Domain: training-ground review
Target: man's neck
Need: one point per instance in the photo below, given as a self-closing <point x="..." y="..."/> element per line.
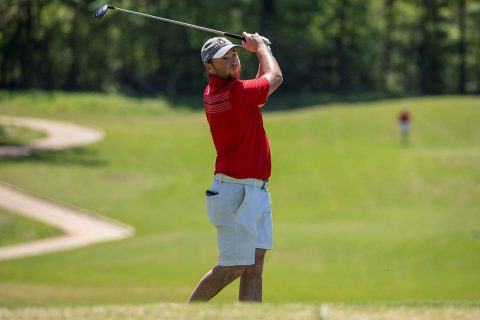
<point x="218" y="81"/>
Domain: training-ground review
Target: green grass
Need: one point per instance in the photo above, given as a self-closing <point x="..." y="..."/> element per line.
<point x="357" y="217"/>
<point x="13" y="135"/>
<point x="164" y="311"/>
<point x="16" y="229"/>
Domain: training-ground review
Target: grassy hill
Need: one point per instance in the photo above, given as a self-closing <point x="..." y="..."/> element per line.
<point x="357" y="217"/>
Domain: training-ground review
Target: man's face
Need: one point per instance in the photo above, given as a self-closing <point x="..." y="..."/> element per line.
<point x="226" y="67"/>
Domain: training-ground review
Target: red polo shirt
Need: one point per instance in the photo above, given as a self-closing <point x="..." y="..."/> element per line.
<point x="404" y="116"/>
<point x="233" y="112"/>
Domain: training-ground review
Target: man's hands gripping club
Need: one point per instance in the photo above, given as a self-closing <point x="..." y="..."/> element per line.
<point x="252" y="41"/>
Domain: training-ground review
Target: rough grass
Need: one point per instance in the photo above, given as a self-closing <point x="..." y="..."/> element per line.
<point x="16" y="229"/>
<point x="357" y="217"/>
<point x="16" y="136"/>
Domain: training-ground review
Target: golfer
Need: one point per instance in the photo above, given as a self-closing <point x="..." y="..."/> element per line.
<point x="238" y="201"/>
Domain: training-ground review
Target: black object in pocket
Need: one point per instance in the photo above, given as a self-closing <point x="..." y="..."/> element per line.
<point x="210" y="193"/>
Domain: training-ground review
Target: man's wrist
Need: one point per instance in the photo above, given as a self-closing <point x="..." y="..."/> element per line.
<point x="262" y="47"/>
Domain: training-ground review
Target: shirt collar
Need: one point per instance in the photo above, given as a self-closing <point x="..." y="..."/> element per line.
<point x="216" y="81"/>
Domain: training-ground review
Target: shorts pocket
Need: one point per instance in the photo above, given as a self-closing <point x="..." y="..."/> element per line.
<point x="212" y="209"/>
<point x="223" y="206"/>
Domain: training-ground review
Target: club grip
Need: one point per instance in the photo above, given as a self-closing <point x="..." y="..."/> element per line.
<point x="233" y="35"/>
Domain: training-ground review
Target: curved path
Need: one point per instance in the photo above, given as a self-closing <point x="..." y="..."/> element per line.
<point x="81" y="228"/>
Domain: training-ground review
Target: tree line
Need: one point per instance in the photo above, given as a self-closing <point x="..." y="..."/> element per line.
<point x="323" y="46"/>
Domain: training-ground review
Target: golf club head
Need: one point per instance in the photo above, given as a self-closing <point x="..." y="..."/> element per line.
<point x="101" y="12"/>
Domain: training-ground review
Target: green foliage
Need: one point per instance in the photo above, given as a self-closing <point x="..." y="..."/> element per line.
<point x="357" y="217"/>
<point x="335" y="46"/>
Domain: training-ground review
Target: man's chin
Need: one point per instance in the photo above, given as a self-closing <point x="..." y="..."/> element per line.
<point x="234" y="76"/>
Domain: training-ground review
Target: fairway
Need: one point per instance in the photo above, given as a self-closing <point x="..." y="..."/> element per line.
<point x="357" y="217"/>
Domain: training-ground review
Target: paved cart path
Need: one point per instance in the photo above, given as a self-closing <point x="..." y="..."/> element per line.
<point x="81" y="228"/>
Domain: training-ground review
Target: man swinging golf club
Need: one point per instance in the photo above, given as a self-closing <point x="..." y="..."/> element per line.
<point x="238" y="201"/>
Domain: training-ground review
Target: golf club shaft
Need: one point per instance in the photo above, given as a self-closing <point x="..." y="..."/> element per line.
<point x="184" y="24"/>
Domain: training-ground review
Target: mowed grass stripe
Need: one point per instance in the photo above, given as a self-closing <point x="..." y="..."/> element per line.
<point x="356" y="216"/>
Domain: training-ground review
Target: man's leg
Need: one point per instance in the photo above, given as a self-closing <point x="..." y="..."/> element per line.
<point x="251" y="279"/>
<point x="214" y="281"/>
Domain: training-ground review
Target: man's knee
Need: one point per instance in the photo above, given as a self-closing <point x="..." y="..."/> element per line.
<point x="237" y="271"/>
<point x="257" y="268"/>
<point x="229" y="273"/>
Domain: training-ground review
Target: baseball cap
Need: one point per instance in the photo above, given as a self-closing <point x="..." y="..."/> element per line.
<point x="216" y="48"/>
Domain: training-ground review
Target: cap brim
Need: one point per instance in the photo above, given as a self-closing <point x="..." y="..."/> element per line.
<point x="220" y="53"/>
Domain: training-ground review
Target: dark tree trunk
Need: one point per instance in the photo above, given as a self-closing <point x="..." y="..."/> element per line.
<point x="340" y="48"/>
<point x="462" y="46"/>
<point x="431" y="48"/>
<point x="266" y="18"/>
<point x="268" y="8"/>
<point x="26" y="51"/>
<point x="72" y="80"/>
<point x="387" y="45"/>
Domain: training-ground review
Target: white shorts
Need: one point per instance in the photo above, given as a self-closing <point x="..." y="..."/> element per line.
<point x="242" y="215"/>
<point x="404" y="126"/>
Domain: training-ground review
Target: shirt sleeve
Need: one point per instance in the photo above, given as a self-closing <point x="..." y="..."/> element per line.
<point x="255" y="90"/>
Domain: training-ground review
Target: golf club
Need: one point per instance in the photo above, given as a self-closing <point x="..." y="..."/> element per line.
<point x="103" y="10"/>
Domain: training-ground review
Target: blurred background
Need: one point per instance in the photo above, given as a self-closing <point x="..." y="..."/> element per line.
<point x="379" y="47"/>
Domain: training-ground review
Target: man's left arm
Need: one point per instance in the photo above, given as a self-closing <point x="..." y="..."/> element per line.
<point x="268" y="65"/>
<point x="260" y="71"/>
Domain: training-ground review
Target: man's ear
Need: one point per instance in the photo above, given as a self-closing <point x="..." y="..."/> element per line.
<point x="208" y="67"/>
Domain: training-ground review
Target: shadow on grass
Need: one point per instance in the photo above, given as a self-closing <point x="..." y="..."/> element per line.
<point x="83" y="157"/>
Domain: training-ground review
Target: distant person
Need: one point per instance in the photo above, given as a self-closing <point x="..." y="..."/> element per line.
<point x="238" y="201"/>
<point x="404" y="118"/>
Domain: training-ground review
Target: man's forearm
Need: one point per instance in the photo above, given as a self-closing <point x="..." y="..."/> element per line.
<point x="268" y="67"/>
<point x="266" y="61"/>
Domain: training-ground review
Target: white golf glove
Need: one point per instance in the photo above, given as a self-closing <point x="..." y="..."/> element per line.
<point x="267" y="42"/>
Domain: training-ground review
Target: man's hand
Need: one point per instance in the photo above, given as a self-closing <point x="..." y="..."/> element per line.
<point x="254" y="41"/>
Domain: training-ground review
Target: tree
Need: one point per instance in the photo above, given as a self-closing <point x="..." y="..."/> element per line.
<point x="341" y="47"/>
<point x="389" y="22"/>
<point x="462" y="45"/>
<point x="335" y="46"/>
<point x="432" y="46"/>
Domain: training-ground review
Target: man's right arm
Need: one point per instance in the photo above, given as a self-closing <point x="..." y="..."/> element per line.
<point x="268" y="66"/>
